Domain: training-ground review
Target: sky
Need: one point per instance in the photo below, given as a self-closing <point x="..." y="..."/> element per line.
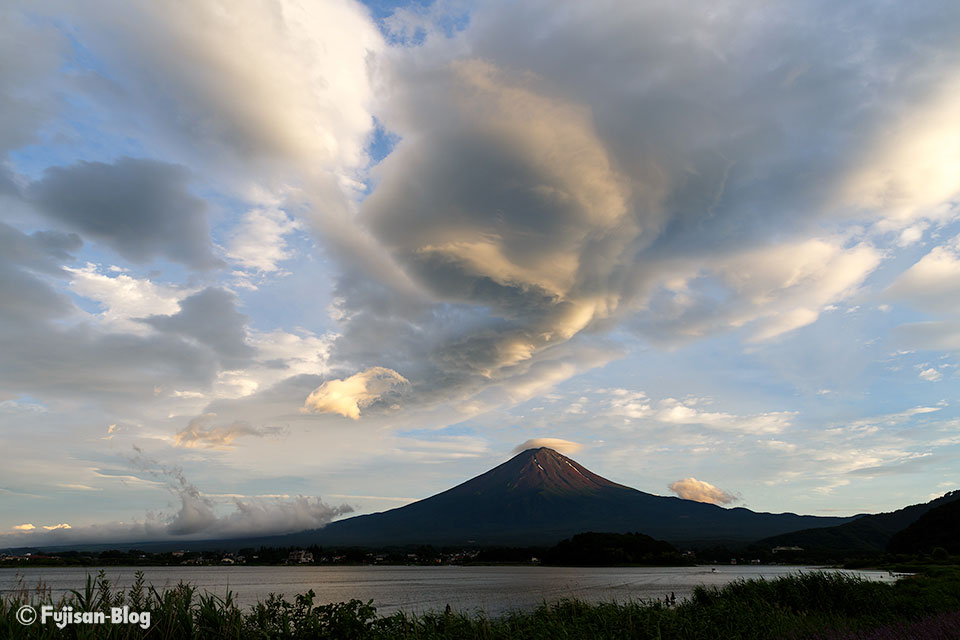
<point x="265" y="264"/>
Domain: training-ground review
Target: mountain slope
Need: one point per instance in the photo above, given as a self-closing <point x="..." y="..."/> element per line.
<point x="867" y="534"/>
<point x="541" y="497"/>
<point x="938" y="527"/>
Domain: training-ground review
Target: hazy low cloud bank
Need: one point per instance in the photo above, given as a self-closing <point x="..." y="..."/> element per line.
<point x="198" y="517"/>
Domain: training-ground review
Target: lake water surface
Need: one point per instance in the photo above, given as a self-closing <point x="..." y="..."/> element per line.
<point x="495" y="589"/>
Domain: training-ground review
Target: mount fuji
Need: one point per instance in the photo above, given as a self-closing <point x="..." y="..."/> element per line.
<point x="540" y="497"/>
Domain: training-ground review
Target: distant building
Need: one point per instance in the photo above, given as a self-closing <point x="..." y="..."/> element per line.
<point x="783" y="549"/>
<point x="300" y="557"/>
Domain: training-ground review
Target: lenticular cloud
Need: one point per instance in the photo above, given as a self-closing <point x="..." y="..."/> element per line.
<point x="700" y="491"/>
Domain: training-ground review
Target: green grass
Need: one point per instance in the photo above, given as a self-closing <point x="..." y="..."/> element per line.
<point x="798" y="606"/>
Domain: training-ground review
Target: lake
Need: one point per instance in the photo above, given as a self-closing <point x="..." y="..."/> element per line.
<point x="493" y="589"/>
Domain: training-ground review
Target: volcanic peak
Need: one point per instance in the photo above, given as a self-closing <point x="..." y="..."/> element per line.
<point x="546" y="469"/>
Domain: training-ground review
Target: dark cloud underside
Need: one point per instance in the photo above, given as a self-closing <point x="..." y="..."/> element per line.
<point x="142" y="209"/>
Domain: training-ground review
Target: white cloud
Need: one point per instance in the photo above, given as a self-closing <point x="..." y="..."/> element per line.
<point x="279" y="356"/>
<point x="630" y="404"/>
<point x="634" y="410"/>
<point x="442" y="448"/>
<point x="891" y="419"/>
<point x="13" y="406"/>
<point x="77" y="486"/>
<point x="866" y="449"/>
<point x="933" y="282"/>
<point x="930" y="375"/>
<point x="912" y="234"/>
<point x="202" y="433"/>
<point x="124" y="298"/>
<point x="302" y="353"/>
<point x="264" y="81"/>
<point x="259" y="242"/>
<point x="693" y="489"/>
<point x="769" y="290"/>
<point x="786" y="286"/>
<point x="778" y="445"/>
<point x="188" y="394"/>
<point x="908" y="171"/>
<point x="673" y="411"/>
<point x="349" y="395"/>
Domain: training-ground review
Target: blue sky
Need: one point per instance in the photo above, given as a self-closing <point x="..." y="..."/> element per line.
<point x="266" y="267"/>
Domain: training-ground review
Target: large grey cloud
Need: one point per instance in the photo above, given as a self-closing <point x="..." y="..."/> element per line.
<point x="677" y="171"/>
<point x="25" y="297"/>
<point x="119" y="371"/>
<point x="51" y="352"/>
<point x="28" y="54"/>
<point x="141" y="208"/>
<point x="211" y="318"/>
<point x="274" y="80"/>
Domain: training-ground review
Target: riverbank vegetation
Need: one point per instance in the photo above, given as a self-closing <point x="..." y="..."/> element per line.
<point x="590" y="549"/>
<point x="815" y="606"/>
<point x="584" y="549"/>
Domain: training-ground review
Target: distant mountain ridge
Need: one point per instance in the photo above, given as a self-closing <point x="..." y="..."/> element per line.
<point x="867" y="534"/>
<point x="541" y="497"/>
<point x="938" y="527"/>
